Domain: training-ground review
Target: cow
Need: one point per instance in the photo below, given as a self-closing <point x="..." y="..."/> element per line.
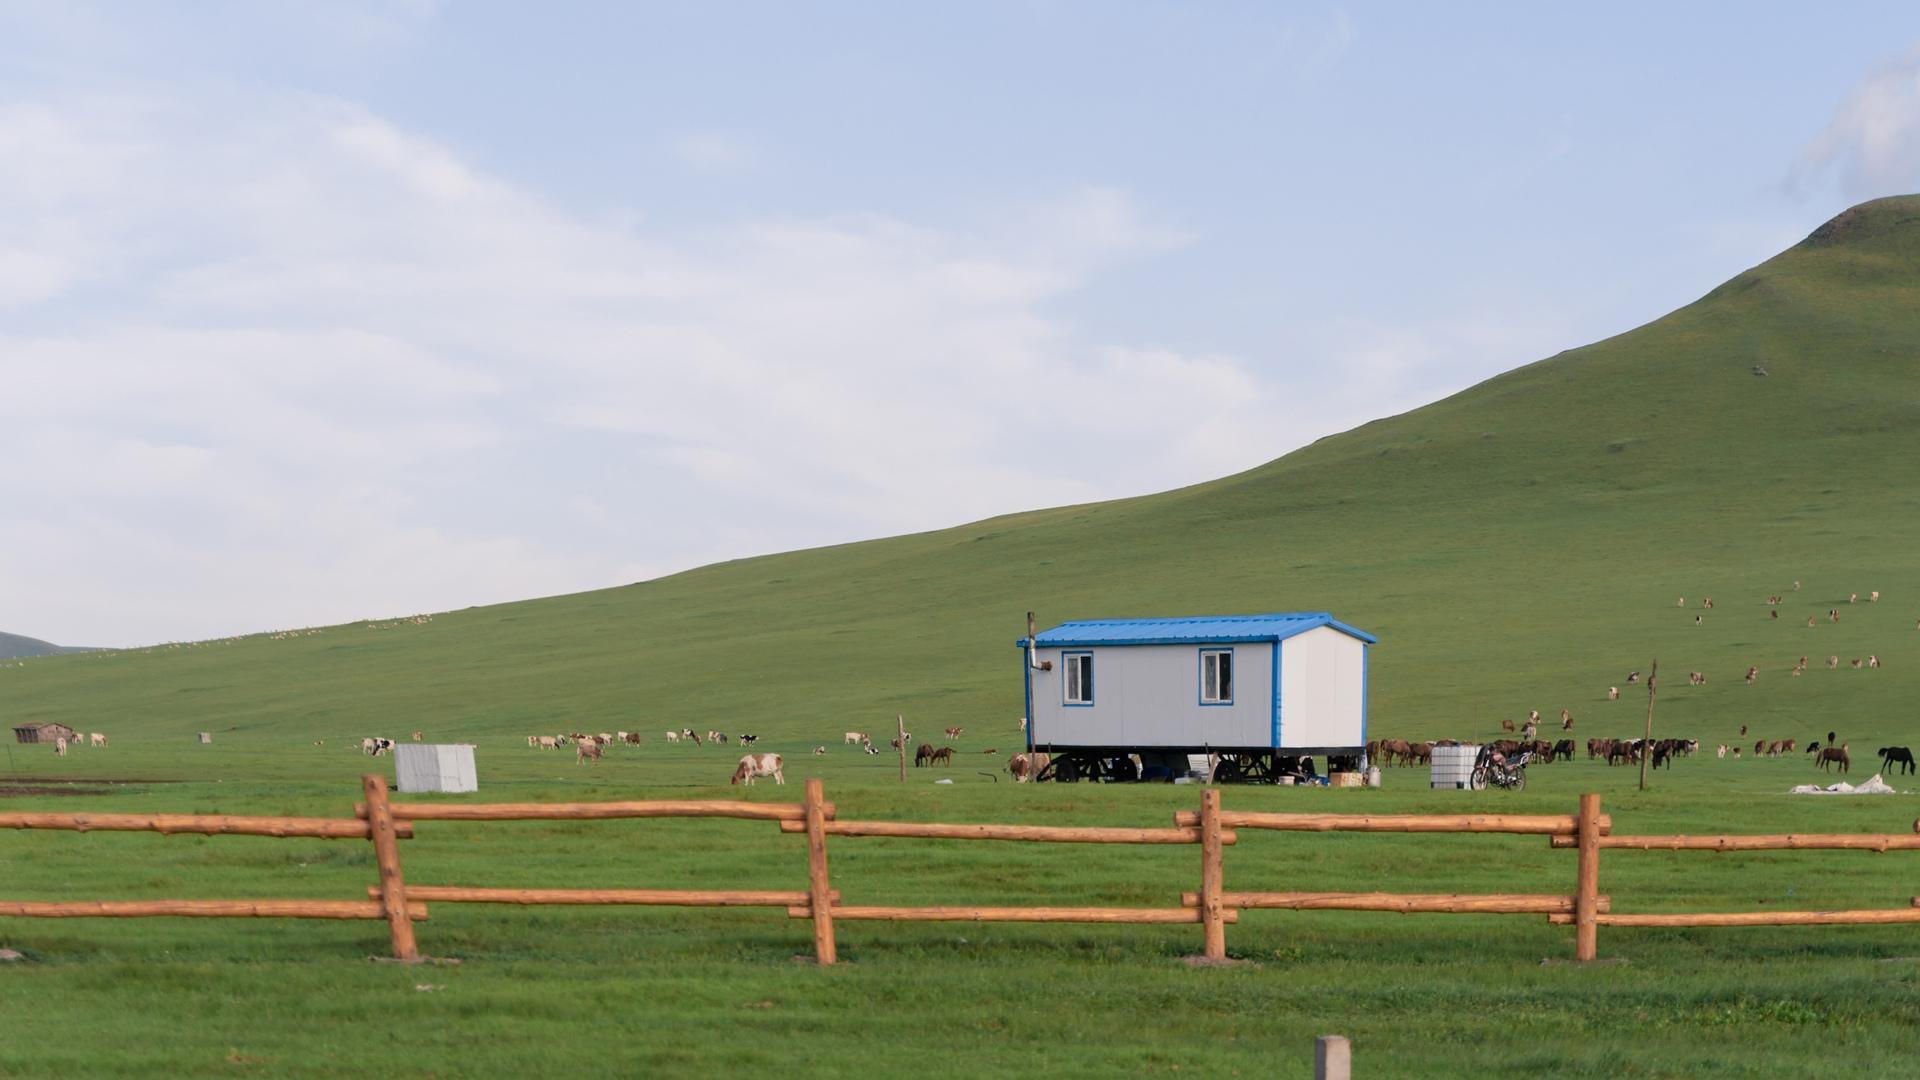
<point x="97" y="739"/>
<point x="1025" y="767"/>
<point x="1858" y="663"/>
<point x="59" y="746"/>
<point x="1613" y="693"/>
<point x="1896" y="755"/>
<point x="749" y="740"/>
<point x="673" y="736"/>
<point x="1722" y="752"/>
<point x="1835" y="755"/>
<point x="1707" y="602"/>
<point x="852" y="738"/>
<point x="1506" y="725"/>
<point x="870" y="748"/>
<point x="1695" y="678"/>
<point x="1874" y="596"/>
<point x="954" y="732"/>
<point x="416" y="736"/>
<point x="632" y="738"/>
<point x="690" y="735"/>
<point x="374" y="747"/>
<point x="586" y="750"/>
<point x="1873" y="660"/>
<point x="1833" y="663"/>
<point x="1566" y="719"/>
<point x="1753" y="673"/>
<point x="1787" y="745"/>
<point x="757" y="765"/>
<point x="1633" y="676"/>
<point x="549" y="742"/>
<point x="819" y="750"/>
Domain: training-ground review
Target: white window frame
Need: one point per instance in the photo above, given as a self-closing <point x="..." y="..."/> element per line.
<point x="1076" y="668"/>
<point x="1214" y="654"/>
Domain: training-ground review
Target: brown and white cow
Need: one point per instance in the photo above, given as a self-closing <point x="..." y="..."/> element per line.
<point x="757" y="765"/>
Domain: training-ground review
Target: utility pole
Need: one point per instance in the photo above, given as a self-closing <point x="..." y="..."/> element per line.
<point x="1646" y="745"/>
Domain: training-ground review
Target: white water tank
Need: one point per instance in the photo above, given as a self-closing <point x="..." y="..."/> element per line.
<point x="1453" y="766"/>
<point x="434" y="767"/>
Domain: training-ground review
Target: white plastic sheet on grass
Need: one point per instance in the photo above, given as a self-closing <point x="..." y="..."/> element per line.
<point x="1875" y="786"/>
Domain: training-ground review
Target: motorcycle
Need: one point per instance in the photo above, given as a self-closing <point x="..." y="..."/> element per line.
<point x="1509" y="771"/>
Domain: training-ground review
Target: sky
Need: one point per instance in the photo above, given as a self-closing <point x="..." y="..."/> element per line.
<point x="320" y="311"/>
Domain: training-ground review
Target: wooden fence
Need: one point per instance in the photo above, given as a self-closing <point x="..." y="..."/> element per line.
<point x="1213" y="906"/>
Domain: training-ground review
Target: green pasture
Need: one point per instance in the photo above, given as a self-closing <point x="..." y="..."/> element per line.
<point x="1518" y="546"/>
<point x="654" y="991"/>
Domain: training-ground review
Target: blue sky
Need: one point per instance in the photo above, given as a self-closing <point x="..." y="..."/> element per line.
<point x="318" y="311"/>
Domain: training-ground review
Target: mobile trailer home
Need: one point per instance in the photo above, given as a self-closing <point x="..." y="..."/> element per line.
<point x="1262" y="691"/>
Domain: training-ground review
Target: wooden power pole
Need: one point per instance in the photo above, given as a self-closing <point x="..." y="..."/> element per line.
<point x="1646" y="745"/>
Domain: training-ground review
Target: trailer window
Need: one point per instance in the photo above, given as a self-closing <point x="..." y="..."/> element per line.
<point x="1079" y="678"/>
<point x="1216" y="676"/>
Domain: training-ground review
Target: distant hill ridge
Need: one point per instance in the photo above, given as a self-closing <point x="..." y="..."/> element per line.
<point x="16" y="646"/>
<point x="1518" y="545"/>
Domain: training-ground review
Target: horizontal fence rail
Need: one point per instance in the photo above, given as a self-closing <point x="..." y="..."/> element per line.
<point x="1453" y="903"/>
<point x="1213" y="907"/>
<point x="203" y="824"/>
<point x="1553" y="824"/>
<point x="597" y="811"/>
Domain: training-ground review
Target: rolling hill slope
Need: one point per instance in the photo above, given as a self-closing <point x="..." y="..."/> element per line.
<point x="1518" y="545"/>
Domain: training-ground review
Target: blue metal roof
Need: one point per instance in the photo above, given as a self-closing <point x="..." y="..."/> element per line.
<point x="1191" y="629"/>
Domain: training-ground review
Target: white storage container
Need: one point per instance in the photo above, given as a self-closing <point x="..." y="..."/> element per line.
<point x="1453" y="766"/>
<point x="434" y="767"/>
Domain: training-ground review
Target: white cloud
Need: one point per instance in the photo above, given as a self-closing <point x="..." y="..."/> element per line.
<point x="1872" y="144"/>
<point x="290" y="364"/>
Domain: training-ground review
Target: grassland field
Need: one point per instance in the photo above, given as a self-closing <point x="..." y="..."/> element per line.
<point x="1518" y="546"/>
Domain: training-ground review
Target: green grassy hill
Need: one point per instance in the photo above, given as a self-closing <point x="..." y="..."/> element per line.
<point x="1518" y="545"/>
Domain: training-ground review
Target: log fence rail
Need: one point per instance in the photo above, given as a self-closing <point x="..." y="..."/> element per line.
<point x="401" y="903"/>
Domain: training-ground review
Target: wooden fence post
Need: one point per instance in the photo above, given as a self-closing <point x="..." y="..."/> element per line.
<point x="1211" y="915"/>
<point x="386" y="853"/>
<point x="900" y="741"/>
<point x="819" y="894"/>
<point x="1586" y="896"/>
